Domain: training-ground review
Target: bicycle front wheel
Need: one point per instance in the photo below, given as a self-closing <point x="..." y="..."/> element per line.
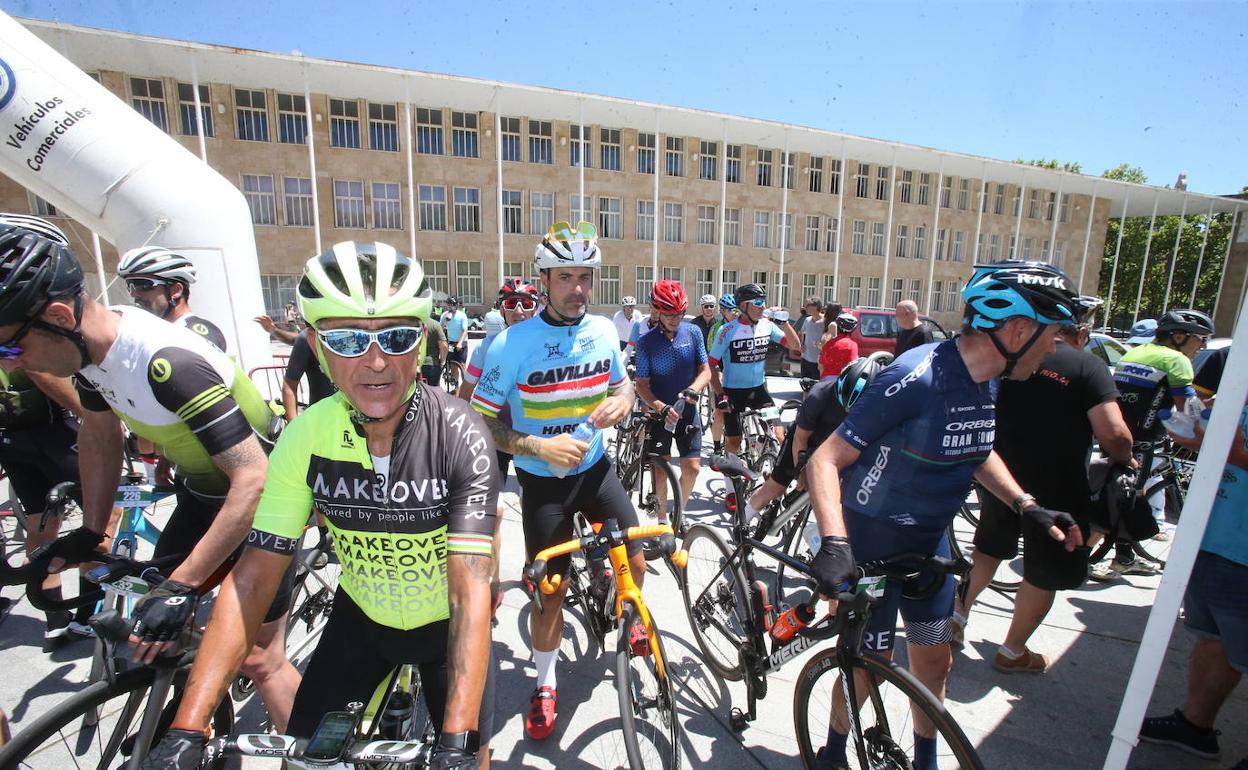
<point x="656" y="494"/>
<point x="716" y="601"/>
<point x="884" y="723"/>
<point x="647" y="699"/>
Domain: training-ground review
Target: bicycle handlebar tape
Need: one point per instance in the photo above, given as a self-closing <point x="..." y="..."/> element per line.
<point x="19" y="576"/>
<point x="680" y="558"/>
<point x="551" y="584"/>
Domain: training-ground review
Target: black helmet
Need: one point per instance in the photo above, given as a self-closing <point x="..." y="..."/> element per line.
<point x="747" y="292"/>
<point x="1190" y="321"/>
<point x="855" y="378"/>
<point x="33" y="270"/>
<point x="846" y="323"/>
<point x="1000" y="291"/>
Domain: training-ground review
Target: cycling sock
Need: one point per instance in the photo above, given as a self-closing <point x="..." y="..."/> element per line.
<point x="834" y="750"/>
<point x="750" y="513"/>
<point x="924" y="753"/>
<point x="545" y="661"/>
<point x="1007" y="652"/>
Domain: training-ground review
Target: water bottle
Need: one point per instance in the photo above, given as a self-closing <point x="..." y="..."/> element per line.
<point x="810" y="533"/>
<point x="793" y="620"/>
<point x="583" y="432"/>
<point x="1204" y="418"/>
<point x="396" y="720"/>
<point x="601" y="583"/>
<point x="679" y="409"/>
<point x="1178" y="423"/>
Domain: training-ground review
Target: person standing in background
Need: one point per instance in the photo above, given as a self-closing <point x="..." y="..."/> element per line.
<point x="812" y="332"/>
<point x="911" y="330"/>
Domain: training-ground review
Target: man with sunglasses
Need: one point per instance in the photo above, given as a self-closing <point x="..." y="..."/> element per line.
<point x="706" y="319"/>
<point x="741" y="349"/>
<point x="405" y="477"/>
<point x="159" y="281"/>
<point x="555" y="373"/>
<point x="173" y="388"/>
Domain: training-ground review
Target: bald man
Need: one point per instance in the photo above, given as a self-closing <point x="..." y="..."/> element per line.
<point x="911" y="331"/>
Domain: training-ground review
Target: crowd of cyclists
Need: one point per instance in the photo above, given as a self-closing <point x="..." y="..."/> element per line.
<point x="405" y="477"/>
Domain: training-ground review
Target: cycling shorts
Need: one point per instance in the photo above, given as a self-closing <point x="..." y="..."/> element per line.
<point x="432" y="374"/>
<point x="1216" y="605"/>
<point x="37" y="460"/>
<point x="926" y="620"/>
<point x="504" y="464"/>
<point x="547" y="504"/>
<point x="688" y="436"/>
<point x="355" y="655"/>
<point x="1046" y="562"/>
<point x="457" y="354"/>
<point x="743" y="399"/>
<point x="785" y="471"/>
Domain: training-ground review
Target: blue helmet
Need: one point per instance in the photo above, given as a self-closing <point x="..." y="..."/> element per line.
<point x="728" y="302"/>
<point x="1000" y="291"/>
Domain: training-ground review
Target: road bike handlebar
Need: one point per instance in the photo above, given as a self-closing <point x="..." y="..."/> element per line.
<point x="535" y="573"/>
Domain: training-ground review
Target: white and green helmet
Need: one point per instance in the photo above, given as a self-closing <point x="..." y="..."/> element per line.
<point x="363" y="280"/>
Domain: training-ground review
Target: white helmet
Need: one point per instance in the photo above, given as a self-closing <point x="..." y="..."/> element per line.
<point x="36" y="225"/>
<point x="156" y="262"/>
<point x="629" y="302"/>
<point x="568" y="247"/>
<point x="708" y="299"/>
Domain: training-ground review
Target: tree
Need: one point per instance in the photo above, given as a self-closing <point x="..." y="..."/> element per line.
<point x="1073" y="167"/>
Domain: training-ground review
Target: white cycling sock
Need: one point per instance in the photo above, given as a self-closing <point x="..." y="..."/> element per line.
<point x="545" y="661"/>
<point x="750" y="513"/>
<point x="1007" y="652"/>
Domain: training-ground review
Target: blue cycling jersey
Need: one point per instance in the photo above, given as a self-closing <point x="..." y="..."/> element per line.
<point x="455" y="323"/>
<point x="742" y="350"/>
<point x="494" y="325"/>
<point x="670" y="365"/>
<point x="923" y="427"/>
<point x="551" y="378"/>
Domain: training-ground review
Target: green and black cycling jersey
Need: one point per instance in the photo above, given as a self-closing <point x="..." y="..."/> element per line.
<point x="1149" y="377"/>
<point x="394" y="519"/>
<point x="206" y="329"/>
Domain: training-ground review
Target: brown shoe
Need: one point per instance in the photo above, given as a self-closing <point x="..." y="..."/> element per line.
<point x="1027" y="663"/>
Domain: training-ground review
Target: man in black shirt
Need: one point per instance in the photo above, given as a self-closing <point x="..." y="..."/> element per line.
<point x="911" y="331"/>
<point x="1045" y="426"/>
<point x="1209" y="376"/>
<point x="303" y="362"/>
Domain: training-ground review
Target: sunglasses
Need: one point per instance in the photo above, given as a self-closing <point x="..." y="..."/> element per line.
<point x="524" y="303"/>
<point x="708" y="307"/>
<point x="143" y="284"/>
<point x="759" y="302"/>
<point x="353" y="343"/>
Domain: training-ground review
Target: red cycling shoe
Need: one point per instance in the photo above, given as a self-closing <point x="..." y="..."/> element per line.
<point x="540" y="722"/>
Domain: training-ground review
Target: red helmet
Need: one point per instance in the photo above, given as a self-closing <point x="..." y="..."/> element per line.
<point x="668" y="297"/>
<point x="514" y="286"/>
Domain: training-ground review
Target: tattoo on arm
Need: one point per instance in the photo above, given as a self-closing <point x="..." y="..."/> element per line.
<point x="511" y="441"/>
<point x="243" y="454"/>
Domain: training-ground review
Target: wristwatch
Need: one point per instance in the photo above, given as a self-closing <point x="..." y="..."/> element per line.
<point x="1022" y="500"/>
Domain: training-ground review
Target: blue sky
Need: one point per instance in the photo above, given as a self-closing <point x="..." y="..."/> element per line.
<point x="1159" y="85"/>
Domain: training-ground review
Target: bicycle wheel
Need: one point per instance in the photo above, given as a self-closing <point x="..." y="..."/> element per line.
<point x="789" y="582"/>
<point x="450" y="379"/>
<point x="716" y="601"/>
<point x="656" y="477"/>
<point x="884" y="723"/>
<point x="65" y="738"/>
<point x="647" y="700"/>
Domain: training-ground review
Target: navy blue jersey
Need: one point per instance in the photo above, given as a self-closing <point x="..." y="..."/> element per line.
<point x="923" y="427"/>
<point x="670" y="365"/>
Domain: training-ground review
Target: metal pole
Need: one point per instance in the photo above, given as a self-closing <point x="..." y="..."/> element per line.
<point x="199" y="111"/>
<point x="99" y="265"/>
<point x="1018" y="224"/>
<point x="498" y="160"/>
<point x="1087" y="239"/>
<point x="723" y="208"/>
<point x="931" y="265"/>
<point x="840" y="224"/>
<point x="1148" y="247"/>
<point x="316" y="198"/>
<point x="1174" y="258"/>
<point x="784" y="216"/>
<point x="1057" y="215"/>
<point x="411" y="174"/>
<point x="658" y="214"/>
<point x="979" y="218"/>
<point x="1230" y="238"/>
<point x="1113" y="273"/>
<point x="888" y="227"/>
<point x="583" y="152"/>
<point x="1200" y="262"/>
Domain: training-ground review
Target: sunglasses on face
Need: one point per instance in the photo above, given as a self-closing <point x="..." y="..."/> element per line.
<point x="142" y="284"/>
<point x="758" y="302"/>
<point x="524" y="303"/>
<point x="708" y="307"/>
<point x="353" y="343"/>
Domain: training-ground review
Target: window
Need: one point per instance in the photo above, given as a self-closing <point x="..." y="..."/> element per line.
<point x="578" y="212"/>
<point x="468" y="282"/>
<point x="610" y="218"/>
<point x="383" y="127"/>
<point x="959" y="246"/>
<point x="437" y="273"/>
<point x="964" y="194"/>
<point x="580" y="148"/>
<point x="951" y="295"/>
<point x="764" y="168"/>
<point x="942" y="236"/>
<point x="881" y="183"/>
<point x="464" y="136"/>
<point x="349" y="204"/>
<point x="998" y="201"/>
<point x="277" y="291"/>
<point x="855" y="291"/>
<point x="907" y="182"/>
<point x="925" y="189"/>
<point x="1044" y="250"/>
<point x="1049" y="205"/>
<point x="517" y="270"/>
<point x="1018" y="201"/>
<point x="645" y="220"/>
<point x="809" y="285"/>
<point x="782" y="281"/>
<point x="829" y="289"/>
<point x="815" y="171"/>
<point x="609" y="148"/>
<point x="786" y="171"/>
<point x="1065" y="215"/>
<point x="732" y="227"/>
<point x="894" y="295"/>
<point x="673" y="274"/>
<point x="1027" y="243"/>
<point x="292" y="119"/>
<point x="297" y="194"/>
<point x="705" y="282"/>
<point x="858" y="240"/>
<point x="251" y="115"/>
<point x="994" y="247"/>
<point x="732" y="166"/>
<point x="903" y="240"/>
<point x="762" y="229"/>
<point x="429" y="131"/>
<point x="946" y="191"/>
<point x="706" y="224"/>
<point x="509" y="133"/>
<point x="513" y="212"/>
<point x="1059" y="253"/>
<point x="186" y="110"/>
<point x="258" y="190"/>
<point x="938" y="296"/>
<point x="344" y="123"/>
<point x="729" y="280"/>
<point x="41" y="208"/>
<point x="812" y="233"/>
<point x="674" y="156"/>
<point x="1033" y="204"/>
<point x="645" y="153"/>
<point x="1013" y="244"/>
<point x="387" y="206"/>
<point x="708" y="158"/>
<point x="916" y="290"/>
<point x="541" y="145"/>
<point x="834" y="176"/>
<point x="862" y="180"/>
<point x="609" y="284"/>
<point x="786" y="230"/>
<point x="644" y="282"/>
<point x="148" y="98"/>
<point x="541" y="212"/>
<point x="760" y="278"/>
<point x="920" y="241"/>
<point x="432" y="207"/>
<point x="979" y="248"/>
<point x="877" y="239"/>
<point x="833" y="239"/>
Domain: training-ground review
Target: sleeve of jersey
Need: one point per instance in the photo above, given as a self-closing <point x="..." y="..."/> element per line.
<point x="498" y="378"/>
<point x="473" y="484"/>
<point x="887" y="402"/>
<point x="216" y="337"/>
<point x="699" y="350"/>
<point x="1179" y="376"/>
<point x="1099" y="386"/>
<point x="89" y="396"/>
<point x="300" y="353"/>
<point x="186" y="384"/>
<point x="817" y="401"/>
<point x="718" y="346"/>
<point x="777" y="333"/>
<point x="475" y="364"/>
<point x="287" y="498"/>
<point x="619" y="370"/>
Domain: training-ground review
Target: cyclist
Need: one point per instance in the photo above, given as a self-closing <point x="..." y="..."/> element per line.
<point x="839" y="347"/>
<point x="671" y="366"/>
<point x="436" y="352"/>
<point x="455" y="324"/>
<point x="907" y="452"/>
<point x="405" y="477"/>
<point x="173" y="388"/>
<point x="159" y="281"/>
<point x="727" y="314"/>
<point x="517" y="301"/>
<point x="741" y="348"/>
<point x="556" y="372"/>
<point x="706" y="319"/>
<point x="624" y="319"/>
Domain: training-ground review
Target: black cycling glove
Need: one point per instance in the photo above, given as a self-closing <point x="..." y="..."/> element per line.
<point x="74" y="547"/>
<point x="163" y="612"/>
<point x="178" y="750"/>
<point x="454" y="751"/>
<point x="833" y="566"/>
<point x="1046" y="518"/>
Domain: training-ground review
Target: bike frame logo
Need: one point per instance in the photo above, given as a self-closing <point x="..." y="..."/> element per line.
<point x="8" y="84"/>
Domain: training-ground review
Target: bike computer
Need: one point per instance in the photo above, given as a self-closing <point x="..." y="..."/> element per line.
<point x="331" y="737"/>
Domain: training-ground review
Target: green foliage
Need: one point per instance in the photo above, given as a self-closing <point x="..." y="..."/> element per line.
<point x="1073" y="167"/>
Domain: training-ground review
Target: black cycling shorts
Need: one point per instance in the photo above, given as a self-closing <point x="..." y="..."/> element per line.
<point x="741" y="400"/>
<point x="186" y="526"/>
<point x="688" y="436"/>
<point x="432" y="374"/>
<point x="1046" y="563"/>
<point x="355" y="655"/>
<point x="504" y="464"/>
<point x="547" y="505"/>
<point x="785" y="471"/>
<point x="457" y="354"/>
<point x="37" y="459"/>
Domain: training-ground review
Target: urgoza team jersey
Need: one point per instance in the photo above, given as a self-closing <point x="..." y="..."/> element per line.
<point x="742" y="351"/>
<point x="206" y="329"/>
<point x="551" y="378"/>
<point x="173" y="388"/>
<point x="923" y="427"/>
<point x="393" y="528"/>
<point x="1148" y="378"/>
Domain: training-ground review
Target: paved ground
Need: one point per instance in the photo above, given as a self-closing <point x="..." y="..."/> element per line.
<point x="1060" y="720"/>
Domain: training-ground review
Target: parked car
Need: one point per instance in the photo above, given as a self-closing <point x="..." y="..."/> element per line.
<point x="877" y="330"/>
<point x="1105" y="348"/>
<point x="1217" y="343"/>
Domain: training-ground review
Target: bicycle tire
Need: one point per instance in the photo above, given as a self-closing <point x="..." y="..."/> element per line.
<point x="793" y="544"/>
<point x="884" y="721"/>
<point x="649" y="709"/>
<point x="33" y="740"/>
<point x="717" y="601"/>
<point x="644" y="496"/>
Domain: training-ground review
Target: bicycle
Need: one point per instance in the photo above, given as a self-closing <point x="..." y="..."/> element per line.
<point x="643" y="473"/>
<point x="647" y="696"/>
<point x="961" y="534"/>
<point x="1172" y="474"/>
<point x="733" y="622"/>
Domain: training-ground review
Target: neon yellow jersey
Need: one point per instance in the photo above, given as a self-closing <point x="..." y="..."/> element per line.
<point x="1149" y="377"/>
<point x="393" y="528"/>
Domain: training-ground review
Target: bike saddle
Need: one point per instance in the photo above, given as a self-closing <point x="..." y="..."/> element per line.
<point x="732" y="466"/>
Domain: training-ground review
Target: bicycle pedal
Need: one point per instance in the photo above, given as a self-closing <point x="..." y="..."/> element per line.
<point x="738" y="720"/>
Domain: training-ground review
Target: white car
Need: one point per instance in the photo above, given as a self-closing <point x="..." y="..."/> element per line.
<point x="1106" y="348"/>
